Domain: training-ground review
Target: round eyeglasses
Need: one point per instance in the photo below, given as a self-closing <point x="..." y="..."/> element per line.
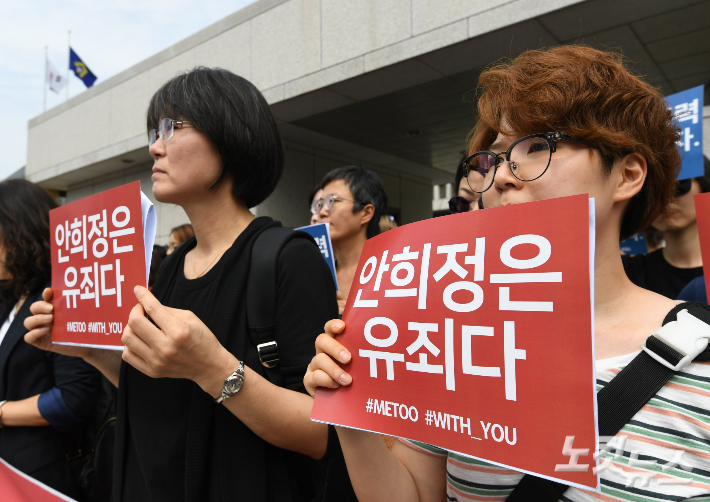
<point x="328" y="203"/>
<point x="528" y="158"/>
<point x="165" y="130"/>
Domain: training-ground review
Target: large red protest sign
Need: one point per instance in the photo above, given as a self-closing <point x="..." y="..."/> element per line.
<point x="16" y="486"/>
<point x="474" y="333"/>
<point x="702" y="212"/>
<point x="101" y="249"/>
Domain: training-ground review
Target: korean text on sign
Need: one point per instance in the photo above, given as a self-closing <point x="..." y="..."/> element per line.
<point x="687" y="107"/>
<point x="481" y="321"/>
<point x="98" y="256"/>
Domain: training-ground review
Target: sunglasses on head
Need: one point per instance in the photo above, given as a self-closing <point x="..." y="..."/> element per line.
<point x="682" y="187"/>
<point x="458" y="204"/>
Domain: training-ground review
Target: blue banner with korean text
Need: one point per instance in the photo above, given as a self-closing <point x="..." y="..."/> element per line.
<point x="321" y="233"/>
<point x="687" y="107"/>
<point x="636" y="244"/>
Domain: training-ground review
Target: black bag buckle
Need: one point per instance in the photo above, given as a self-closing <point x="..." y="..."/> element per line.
<point x="268" y="354"/>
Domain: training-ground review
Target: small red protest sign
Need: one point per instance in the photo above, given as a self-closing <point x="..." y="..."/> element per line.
<point x="702" y="212"/>
<point x="101" y="248"/>
<point x="474" y="333"/>
<point x="16" y="486"/>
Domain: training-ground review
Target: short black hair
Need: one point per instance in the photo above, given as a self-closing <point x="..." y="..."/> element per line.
<point x="24" y="235"/>
<point x="366" y="187"/>
<point x="236" y="118"/>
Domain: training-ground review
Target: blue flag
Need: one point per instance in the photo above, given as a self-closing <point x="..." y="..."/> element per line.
<point x="80" y="69"/>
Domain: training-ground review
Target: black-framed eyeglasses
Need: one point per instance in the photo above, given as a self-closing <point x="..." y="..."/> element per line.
<point x="458" y="204"/>
<point x="528" y="158"/>
<point x="328" y="203"/>
<point x="165" y="130"/>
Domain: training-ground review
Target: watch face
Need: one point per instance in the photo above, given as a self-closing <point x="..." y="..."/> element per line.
<point x="233" y="385"/>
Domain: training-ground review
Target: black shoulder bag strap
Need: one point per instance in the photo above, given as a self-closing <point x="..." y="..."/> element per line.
<point x="261" y="296"/>
<point x="666" y="351"/>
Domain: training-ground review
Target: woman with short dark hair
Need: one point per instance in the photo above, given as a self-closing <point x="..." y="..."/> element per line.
<point x="198" y="419"/>
<point x="45" y="398"/>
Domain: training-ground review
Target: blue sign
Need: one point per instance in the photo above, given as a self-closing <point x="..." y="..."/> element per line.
<point x="636" y="244"/>
<point x="687" y="107"/>
<point x="321" y="233"/>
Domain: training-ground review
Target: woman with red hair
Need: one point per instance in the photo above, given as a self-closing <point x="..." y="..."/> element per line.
<point x="602" y="131"/>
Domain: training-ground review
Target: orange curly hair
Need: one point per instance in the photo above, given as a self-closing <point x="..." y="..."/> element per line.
<point x="591" y="95"/>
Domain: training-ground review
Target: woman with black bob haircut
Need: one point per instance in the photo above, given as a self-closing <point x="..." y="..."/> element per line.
<point x="235" y="117"/>
<point x="45" y="398"/>
<point x="197" y="418"/>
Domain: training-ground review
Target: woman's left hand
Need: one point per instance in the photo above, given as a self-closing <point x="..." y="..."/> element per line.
<point x="181" y="346"/>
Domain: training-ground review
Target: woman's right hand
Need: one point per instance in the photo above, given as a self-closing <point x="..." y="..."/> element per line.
<point x="39" y="326"/>
<point x="325" y="370"/>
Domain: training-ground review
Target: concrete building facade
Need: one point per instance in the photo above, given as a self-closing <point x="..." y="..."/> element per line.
<point x="385" y="84"/>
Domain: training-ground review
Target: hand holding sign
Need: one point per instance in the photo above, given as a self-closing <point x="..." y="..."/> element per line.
<point x="472" y="333"/>
<point x="39" y="326"/>
<point x="323" y="370"/>
<point x="181" y="346"/>
<point x="101" y="247"/>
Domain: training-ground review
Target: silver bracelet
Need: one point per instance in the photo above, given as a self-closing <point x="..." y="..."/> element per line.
<point x="1" y="403"/>
<point x="232" y="384"/>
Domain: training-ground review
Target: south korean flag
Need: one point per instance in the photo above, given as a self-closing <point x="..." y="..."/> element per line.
<point x="56" y="80"/>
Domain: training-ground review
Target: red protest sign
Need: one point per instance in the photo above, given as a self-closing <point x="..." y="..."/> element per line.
<point x="98" y="256"/>
<point x="473" y="332"/>
<point x="16" y="486"/>
<point x="702" y="213"/>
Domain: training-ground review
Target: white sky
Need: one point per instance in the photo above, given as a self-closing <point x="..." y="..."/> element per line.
<point x="108" y="36"/>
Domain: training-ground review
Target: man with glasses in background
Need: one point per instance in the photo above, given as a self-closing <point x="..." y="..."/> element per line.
<point x="352" y="202"/>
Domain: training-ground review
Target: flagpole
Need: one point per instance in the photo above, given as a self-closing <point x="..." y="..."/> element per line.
<point x="44" y="108"/>
<point x="69" y="65"/>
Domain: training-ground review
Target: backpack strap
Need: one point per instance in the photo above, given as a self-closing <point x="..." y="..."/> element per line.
<point x="261" y="296"/>
<point x="682" y="339"/>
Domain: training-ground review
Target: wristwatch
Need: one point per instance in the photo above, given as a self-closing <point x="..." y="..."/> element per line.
<point x="232" y="384"/>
